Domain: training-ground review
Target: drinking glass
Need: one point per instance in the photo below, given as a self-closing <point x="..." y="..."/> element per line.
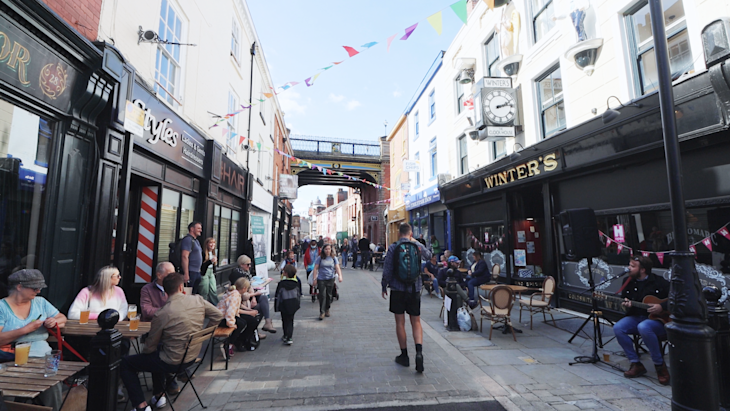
<point x="134" y="323"/>
<point x="22" y="350"/>
<point x="84" y="316"/>
<point x="132" y="311"/>
<point x="53" y="358"/>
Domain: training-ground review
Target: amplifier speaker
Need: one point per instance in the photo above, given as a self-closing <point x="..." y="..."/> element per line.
<point x="580" y="233"/>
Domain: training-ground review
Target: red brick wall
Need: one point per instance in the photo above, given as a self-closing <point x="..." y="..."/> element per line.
<point x="82" y="15"/>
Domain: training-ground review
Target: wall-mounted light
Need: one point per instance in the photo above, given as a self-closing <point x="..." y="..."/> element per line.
<point x="466" y="76"/>
<point x="516" y="154"/>
<point x="610" y="114"/>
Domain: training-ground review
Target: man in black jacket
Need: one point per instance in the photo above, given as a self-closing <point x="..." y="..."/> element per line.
<point x="640" y="284"/>
<point x="364" y="246"/>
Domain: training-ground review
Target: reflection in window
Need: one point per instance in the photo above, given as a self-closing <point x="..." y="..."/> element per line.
<point x="550" y="91"/>
<point x="167" y="60"/>
<point x="25" y="145"/>
<point x="492" y="52"/>
<point x="542" y="17"/>
<point x="490" y="239"/>
<point x="168" y="221"/>
<point x="225" y="232"/>
<point x="187" y="214"/>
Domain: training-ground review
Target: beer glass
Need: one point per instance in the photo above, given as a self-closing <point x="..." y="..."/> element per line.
<point x="134" y="323"/>
<point x="84" y="316"/>
<point x="22" y="349"/>
<point x="132" y="311"/>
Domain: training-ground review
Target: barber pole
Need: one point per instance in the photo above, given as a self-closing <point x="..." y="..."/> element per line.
<point x="146" y="237"/>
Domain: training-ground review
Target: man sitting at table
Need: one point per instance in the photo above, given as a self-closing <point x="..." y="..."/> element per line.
<point x="153" y="297"/>
<point x="478" y="275"/>
<point x="171" y="327"/>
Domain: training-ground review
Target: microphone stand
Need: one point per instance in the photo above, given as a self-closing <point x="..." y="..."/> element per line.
<point x="595" y="316"/>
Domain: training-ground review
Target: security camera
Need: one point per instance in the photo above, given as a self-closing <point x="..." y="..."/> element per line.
<point x="245" y="146"/>
<point x="473" y="133"/>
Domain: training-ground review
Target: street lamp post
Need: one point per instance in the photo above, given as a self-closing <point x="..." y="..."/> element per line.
<point x="693" y="359"/>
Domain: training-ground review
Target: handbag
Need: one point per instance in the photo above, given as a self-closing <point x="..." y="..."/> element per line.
<point x="310" y="279"/>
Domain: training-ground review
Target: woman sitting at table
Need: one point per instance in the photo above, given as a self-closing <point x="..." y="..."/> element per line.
<point x="101" y="295"/>
<point x="244" y="271"/>
<point x="236" y="317"/>
<point x="25" y="317"/>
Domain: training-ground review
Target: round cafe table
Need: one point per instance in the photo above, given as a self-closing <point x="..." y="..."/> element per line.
<point x="517" y="289"/>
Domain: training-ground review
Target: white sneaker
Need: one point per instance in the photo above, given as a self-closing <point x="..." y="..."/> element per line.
<point x="161" y="403"/>
<point x="147" y="408"/>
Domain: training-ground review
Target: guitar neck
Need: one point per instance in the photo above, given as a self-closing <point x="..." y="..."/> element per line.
<point x="637" y="304"/>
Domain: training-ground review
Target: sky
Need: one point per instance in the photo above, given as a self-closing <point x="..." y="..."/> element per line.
<point x="351" y="100"/>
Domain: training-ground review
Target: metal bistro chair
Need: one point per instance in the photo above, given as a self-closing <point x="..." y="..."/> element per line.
<point x="500" y="301"/>
<point x="195" y="339"/>
<point x="540" y="302"/>
<point x="443" y="306"/>
<point x="495" y="272"/>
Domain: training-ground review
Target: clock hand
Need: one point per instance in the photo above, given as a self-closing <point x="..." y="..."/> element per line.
<point x="505" y="105"/>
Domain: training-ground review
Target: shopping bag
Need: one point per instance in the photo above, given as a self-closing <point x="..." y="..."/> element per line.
<point x="463" y="318"/>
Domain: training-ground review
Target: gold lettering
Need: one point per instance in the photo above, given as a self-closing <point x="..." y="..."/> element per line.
<point x="532" y="168"/>
<point x="550" y="162"/>
<point x="502" y="178"/>
<point x="20" y="57"/>
<point x="521" y="171"/>
<point x="5" y="51"/>
<point x="511" y="172"/>
<point x="489" y="181"/>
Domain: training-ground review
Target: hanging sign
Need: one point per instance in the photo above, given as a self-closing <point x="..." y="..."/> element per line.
<point x="411" y="166"/>
<point x="134" y="119"/>
<point x="618" y="233"/>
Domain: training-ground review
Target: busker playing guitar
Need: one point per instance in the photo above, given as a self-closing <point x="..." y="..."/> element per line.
<point x="640" y="284"/>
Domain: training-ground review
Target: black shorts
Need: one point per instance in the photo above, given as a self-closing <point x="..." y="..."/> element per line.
<point x="402" y="302"/>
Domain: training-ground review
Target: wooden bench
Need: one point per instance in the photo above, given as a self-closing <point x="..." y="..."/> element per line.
<point x="222" y="335"/>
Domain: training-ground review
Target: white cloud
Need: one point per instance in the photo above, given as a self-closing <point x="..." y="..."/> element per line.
<point x="396" y="93"/>
<point x="353" y="105"/>
<point x="335" y="98"/>
<point x="290" y="104"/>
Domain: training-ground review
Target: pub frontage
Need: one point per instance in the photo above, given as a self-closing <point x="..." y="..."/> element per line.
<point x="509" y="209"/>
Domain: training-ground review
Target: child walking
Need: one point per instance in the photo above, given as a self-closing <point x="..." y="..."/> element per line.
<point x="288" y="294"/>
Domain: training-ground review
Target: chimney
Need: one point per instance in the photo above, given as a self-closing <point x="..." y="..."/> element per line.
<point x="330" y="200"/>
<point x="341" y="195"/>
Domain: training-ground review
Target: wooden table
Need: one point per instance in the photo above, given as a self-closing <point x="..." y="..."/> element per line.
<point x="27" y="381"/>
<point x="264" y="284"/>
<point x="73" y="328"/>
<point x="463" y="270"/>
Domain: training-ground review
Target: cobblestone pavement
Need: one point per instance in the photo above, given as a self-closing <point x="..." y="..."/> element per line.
<point x="346" y="361"/>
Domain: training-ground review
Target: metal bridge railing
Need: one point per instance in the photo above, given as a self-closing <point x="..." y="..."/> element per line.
<point x="334" y="146"/>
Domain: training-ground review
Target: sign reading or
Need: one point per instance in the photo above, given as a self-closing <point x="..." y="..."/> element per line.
<point x="522" y="171"/>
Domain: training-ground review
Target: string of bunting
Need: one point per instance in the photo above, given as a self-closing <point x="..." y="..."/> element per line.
<point x="707" y="242"/>
<point x="435" y="20"/>
<point x="377" y="202"/>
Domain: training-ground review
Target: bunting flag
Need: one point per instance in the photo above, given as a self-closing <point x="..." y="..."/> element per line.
<point x="436" y="21"/>
<point x="460" y="9"/>
<point x="368" y="45"/>
<point x="708" y="243"/>
<point x="724" y="232"/>
<point x="351" y="51"/>
<point x="619" y="248"/>
<point x="608" y="242"/>
<point x="307" y="81"/>
<point x="390" y="40"/>
<point x="694" y="250"/>
<point x="409" y="31"/>
<point x="268" y="95"/>
<point x="338" y="62"/>
<point x="644" y="254"/>
<point x="660" y="256"/>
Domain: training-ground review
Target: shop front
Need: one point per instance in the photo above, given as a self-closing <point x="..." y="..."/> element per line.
<point x="395" y="218"/>
<point x="261" y="221"/>
<point x="510" y="209"/>
<point x="53" y="85"/>
<point x="428" y="216"/>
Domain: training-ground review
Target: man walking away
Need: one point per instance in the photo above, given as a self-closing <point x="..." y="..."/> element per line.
<point x="402" y="273"/>
<point x="354" y="250"/>
<point x="192" y="255"/>
<point x="364" y="246"/>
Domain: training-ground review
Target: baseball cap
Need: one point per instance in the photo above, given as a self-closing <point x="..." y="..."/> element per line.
<point x="28" y="278"/>
<point x="453" y="259"/>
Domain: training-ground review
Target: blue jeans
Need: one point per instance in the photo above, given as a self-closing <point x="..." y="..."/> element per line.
<point x="650" y="331"/>
<point x="343" y="259"/>
<point x="436" y="286"/>
<point x="132" y="364"/>
<point x="195" y="279"/>
<point x="474" y="282"/>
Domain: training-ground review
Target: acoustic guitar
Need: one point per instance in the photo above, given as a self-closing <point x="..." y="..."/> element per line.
<point x="663" y="316"/>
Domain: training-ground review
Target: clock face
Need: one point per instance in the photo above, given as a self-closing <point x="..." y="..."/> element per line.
<point x="499" y="107"/>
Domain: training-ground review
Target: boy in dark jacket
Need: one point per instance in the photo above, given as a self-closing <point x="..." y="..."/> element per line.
<point x="288" y="294"/>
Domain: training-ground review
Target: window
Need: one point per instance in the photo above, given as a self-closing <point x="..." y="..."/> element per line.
<point x="403" y="151"/>
<point x="432" y="105"/>
<point x="236" y="42"/>
<point x="176" y="212"/>
<point x="499" y="149"/>
<point x="418" y="173"/>
<point x="225" y="232"/>
<point x="463" y="156"/>
<point x="25" y="151"/>
<point x="167" y="60"/>
<point x="542" y="18"/>
<point x="550" y="95"/>
<point x="432" y="157"/>
<point x="491" y="50"/>
<point x="459" y="96"/>
<point x="232" y="106"/>
<point x="642" y="44"/>
<point x="418" y="129"/>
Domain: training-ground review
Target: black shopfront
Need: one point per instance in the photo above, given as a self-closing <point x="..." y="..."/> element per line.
<point x="509" y="209"/>
<point x="53" y="85"/>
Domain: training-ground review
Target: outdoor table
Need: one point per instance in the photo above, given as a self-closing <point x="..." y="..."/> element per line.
<point x="262" y="285"/>
<point x="27" y="381"/>
<point x="517" y="289"/>
<point x="73" y="328"/>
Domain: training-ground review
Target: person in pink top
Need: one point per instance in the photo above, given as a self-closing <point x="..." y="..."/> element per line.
<point x="103" y="294"/>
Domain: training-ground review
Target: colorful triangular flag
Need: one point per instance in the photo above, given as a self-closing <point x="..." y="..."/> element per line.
<point x="644" y="254"/>
<point x="660" y="256"/>
<point x="708" y="243"/>
<point x="338" y="62"/>
<point x="368" y="45"/>
<point x="608" y="242"/>
<point x="351" y="51"/>
<point x="307" y="82"/>
<point x="460" y="9"/>
<point x="390" y="40"/>
<point x="436" y="21"/>
<point x="724" y="232"/>
<point x="409" y="31"/>
<point x="694" y="250"/>
<point x="268" y="95"/>
<point x="619" y="248"/>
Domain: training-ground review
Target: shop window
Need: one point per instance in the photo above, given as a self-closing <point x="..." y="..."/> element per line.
<point x="552" y="109"/>
<point x="176" y="212"/>
<point x="225" y="233"/>
<point x="167" y="60"/>
<point x="459" y="95"/>
<point x="25" y="145"/>
<point x="236" y="41"/>
<point x="641" y="43"/>
<point x="491" y="51"/>
<point x="543" y="18"/>
<point x="463" y="156"/>
<point x="490" y="239"/>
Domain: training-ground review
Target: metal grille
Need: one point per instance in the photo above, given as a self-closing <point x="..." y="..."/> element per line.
<point x="334" y="146"/>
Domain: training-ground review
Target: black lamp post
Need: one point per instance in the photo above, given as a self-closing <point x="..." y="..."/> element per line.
<point x="693" y="359"/>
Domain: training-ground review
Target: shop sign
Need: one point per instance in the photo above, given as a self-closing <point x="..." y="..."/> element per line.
<point x="166" y="134"/>
<point x="258" y="231"/>
<point x="233" y="177"/>
<point x="31" y="67"/>
<point x="422" y="198"/>
<point x="618" y="233"/>
<point x="288" y="186"/>
<point x="411" y="166"/>
<point x="529" y="169"/>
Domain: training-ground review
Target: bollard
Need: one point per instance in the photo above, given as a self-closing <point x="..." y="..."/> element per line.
<point x="717" y="318"/>
<point x="451" y="284"/>
<point x="106" y="353"/>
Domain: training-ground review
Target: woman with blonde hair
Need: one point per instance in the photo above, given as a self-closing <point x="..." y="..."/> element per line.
<point x="103" y="294"/>
<point x="208" y="288"/>
<point x="230" y="306"/>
